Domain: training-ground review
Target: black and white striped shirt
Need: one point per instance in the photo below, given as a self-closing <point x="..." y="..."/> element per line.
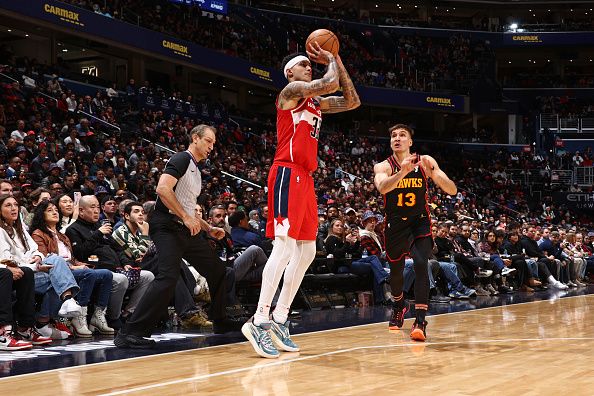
<point x="184" y="168"/>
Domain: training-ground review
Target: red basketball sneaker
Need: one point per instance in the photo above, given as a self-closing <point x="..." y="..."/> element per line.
<point x="9" y="343"/>
<point x="32" y="336"/>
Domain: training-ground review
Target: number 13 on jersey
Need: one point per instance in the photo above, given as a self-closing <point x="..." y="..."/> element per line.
<point x="408" y="199"/>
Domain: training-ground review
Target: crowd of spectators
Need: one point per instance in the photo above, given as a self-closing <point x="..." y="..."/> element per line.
<point x="74" y="194"/>
<point x="372" y="57"/>
<point x="442" y="17"/>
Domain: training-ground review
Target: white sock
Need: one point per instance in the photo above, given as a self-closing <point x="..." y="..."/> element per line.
<point x="551" y="279"/>
<point x="283" y="250"/>
<point x="300" y="262"/>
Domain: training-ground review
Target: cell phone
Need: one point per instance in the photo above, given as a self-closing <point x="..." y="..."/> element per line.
<point x="77" y="196"/>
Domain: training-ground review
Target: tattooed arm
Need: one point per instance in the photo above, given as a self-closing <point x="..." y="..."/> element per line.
<point x="350" y="99"/>
<point x="297" y="90"/>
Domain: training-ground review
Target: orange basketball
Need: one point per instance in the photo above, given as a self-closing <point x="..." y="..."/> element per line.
<point x="327" y="40"/>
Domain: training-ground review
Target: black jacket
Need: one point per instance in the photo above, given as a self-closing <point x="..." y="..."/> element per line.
<point x="87" y="240"/>
<point x="445" y="248"/>
<point x="532" y="249"/>
<point x="513" y="250"/>
<point x="467" y="248"/>
<point x="339" y="248"/>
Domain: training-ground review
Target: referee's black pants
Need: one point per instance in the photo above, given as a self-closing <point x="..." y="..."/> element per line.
<point x="174" y="242"/>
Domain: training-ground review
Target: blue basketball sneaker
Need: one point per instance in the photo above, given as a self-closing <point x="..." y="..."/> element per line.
<point x="281" y="337"/>
<point x="259" y="337"/>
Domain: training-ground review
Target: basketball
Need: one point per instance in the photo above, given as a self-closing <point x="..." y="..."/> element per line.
<point x="327" y="40"/>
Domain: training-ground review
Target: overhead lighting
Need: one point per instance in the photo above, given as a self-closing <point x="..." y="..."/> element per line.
<point x="65" y="50"/>
<point x="509" y="62"/>
<point x="10" y="30"/>
<point x="26" y="35"/>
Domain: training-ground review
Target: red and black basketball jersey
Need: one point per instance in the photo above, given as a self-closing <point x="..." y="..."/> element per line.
<point x="298" y="131"/>
<point x="409" y="197"/>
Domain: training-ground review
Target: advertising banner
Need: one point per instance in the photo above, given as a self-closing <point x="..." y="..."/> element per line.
<point x="575" y="201"/>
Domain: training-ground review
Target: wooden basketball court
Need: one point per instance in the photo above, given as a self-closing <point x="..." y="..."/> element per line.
<point x="538" y="348"/>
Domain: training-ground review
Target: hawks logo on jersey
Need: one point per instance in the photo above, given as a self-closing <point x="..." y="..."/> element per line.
<point x="409" y="196"/>
<point x="298" y="132"/>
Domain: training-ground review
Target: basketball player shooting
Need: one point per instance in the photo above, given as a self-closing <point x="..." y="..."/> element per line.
<point x="402" y="179"/>
<point x="293" y="216"/>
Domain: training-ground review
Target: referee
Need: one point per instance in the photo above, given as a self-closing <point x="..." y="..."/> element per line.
<point x="175" y="232"/>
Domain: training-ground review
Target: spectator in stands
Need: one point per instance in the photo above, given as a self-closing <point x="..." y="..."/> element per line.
<point x="548" y="215"/>
<point x="254" y="220"/>
<point x="546" y="264"/>
<point x="345" y="248"/>
<point x="14" y="165"/>
<point x="19" y="134"/>
<point x="53" y="277"/>
<point x="247" y="263"/>
<point x="512" y="251"/>
<point x="51" y="241"/>
<point x="449" y="272"/>
<point x="576" y="256"/>
<point x="263" y="218"/>
<point x="491" y="246"/>
<point x="14" y="278"/>
<point x="92" y="244"/>
<point x="241" y="234"/>
<point x="577" y="160"/>
<point x="68" y="211"/>
<point x="37" y="196"/>
<point x="109" y="210"/>
<point x="350" y="220"/>
<point x="448" y="249"/>
<point x="133" y="235"/>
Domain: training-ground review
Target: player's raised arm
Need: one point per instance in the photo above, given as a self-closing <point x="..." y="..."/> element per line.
<point x="350" y="99"/>
<point x="297" y="90"/>
<point x="437" y="175"/>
